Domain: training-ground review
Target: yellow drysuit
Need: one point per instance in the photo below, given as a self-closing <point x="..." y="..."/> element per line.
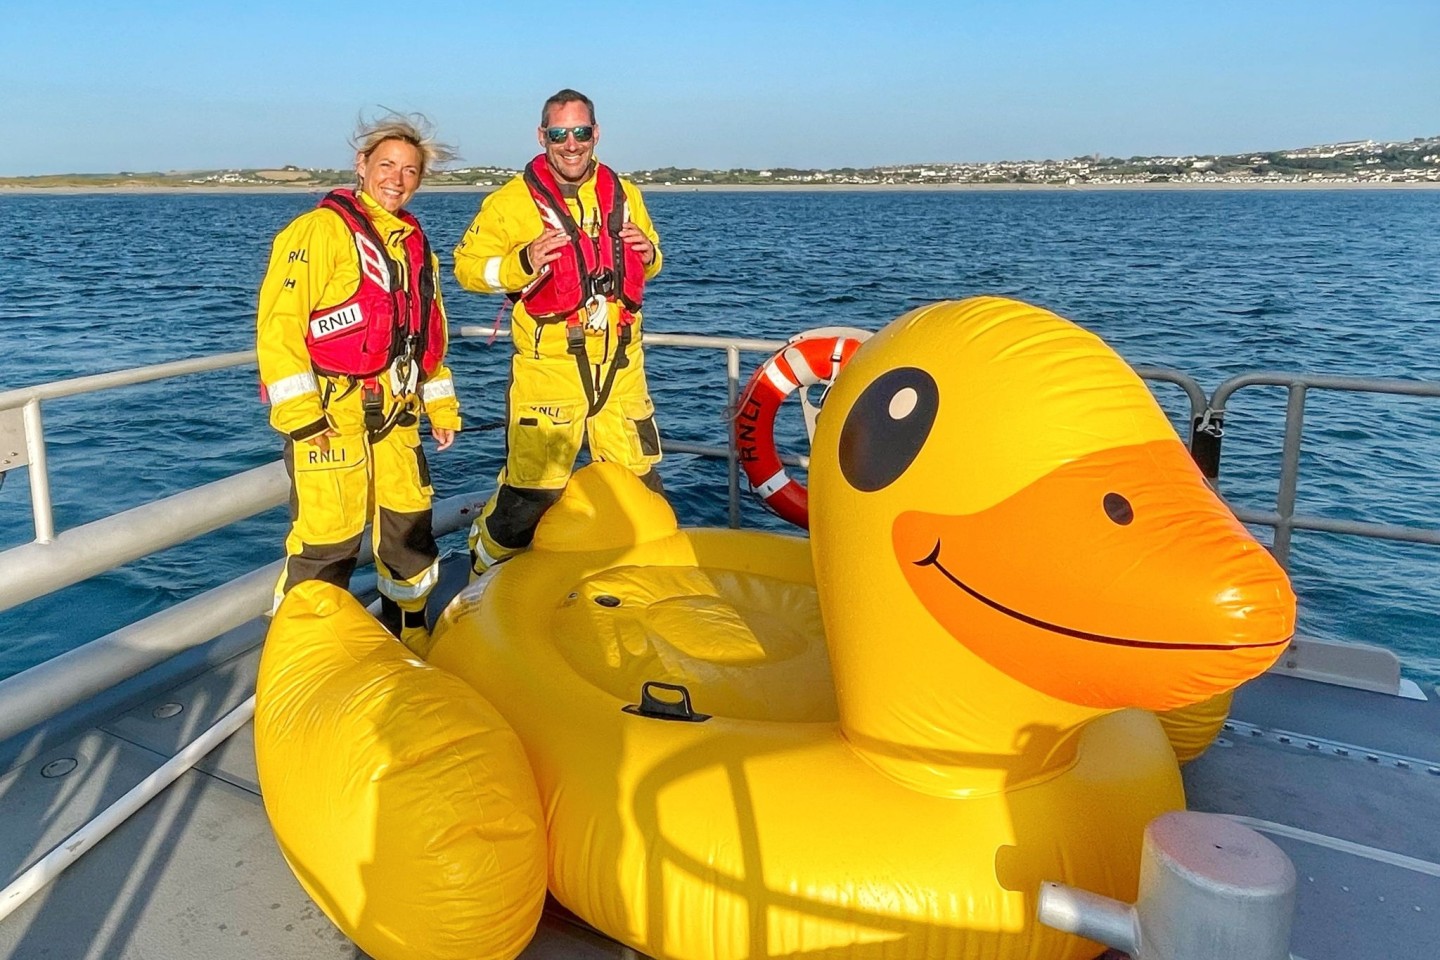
<point x="383" y="478"/>
<point x="547" y="407"/>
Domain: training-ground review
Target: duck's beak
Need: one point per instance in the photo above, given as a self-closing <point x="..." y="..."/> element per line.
<point x="1117" y="580"/>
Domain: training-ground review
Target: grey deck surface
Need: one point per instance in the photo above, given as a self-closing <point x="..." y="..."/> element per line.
<point x="1382" y="898"/>
<point x="197" y="872"/>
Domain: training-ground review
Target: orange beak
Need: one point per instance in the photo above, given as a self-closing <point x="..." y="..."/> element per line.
<point x="1106" y="583"/>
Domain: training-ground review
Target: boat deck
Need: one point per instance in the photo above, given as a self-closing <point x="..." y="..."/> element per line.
<point x="1348" y="784"/>
<point x="197" y="872"/>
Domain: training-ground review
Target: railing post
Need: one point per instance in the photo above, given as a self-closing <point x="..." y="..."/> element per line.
<point x="40" y="507"/>
<point x="1289" y="474"/>
<point x="732" y="396"/>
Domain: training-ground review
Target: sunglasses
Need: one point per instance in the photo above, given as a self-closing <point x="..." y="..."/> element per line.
<point x="582" y="134"/>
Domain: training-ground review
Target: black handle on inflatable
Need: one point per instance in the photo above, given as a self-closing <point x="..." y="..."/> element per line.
<point x="659" y="709"/>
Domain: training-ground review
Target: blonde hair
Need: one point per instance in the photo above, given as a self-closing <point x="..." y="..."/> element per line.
<point x="413" y="128"/>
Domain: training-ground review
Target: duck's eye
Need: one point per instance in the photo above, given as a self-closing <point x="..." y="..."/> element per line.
<point x="886" y="429"/>
<point x="1117" y="508"/>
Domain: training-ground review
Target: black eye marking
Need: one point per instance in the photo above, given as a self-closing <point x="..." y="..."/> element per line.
<point x="1117" y="508"/>
<point x="887" y="428"/>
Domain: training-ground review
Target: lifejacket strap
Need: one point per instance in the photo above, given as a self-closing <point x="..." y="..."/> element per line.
<point x="620" y="360"/>
<point x="575" y="346"/>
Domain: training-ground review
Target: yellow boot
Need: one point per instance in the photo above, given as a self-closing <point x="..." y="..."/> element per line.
<point x="415" y="635"/>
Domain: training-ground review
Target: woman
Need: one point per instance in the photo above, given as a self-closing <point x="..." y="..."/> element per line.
<point x="351" y="336"/>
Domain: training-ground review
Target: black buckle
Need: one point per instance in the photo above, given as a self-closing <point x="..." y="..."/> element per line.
<point x="1206" y="433"/>
<point x="372" y="401"/>
<point x="602" y="282"/>
<point x="575" y="338"/>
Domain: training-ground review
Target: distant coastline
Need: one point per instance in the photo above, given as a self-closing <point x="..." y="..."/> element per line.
<point x="1364" y="164"/>
<point x="1167" y="187"/>
<point x="1333" y="164"/>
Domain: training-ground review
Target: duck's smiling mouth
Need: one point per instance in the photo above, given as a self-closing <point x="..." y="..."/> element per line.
<point x="933" y="560"/>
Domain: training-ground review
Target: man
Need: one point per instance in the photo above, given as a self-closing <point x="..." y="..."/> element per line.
<point x="351" y="338"/>
<point x="572" y="245"/>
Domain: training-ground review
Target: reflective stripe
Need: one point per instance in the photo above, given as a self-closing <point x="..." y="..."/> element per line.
<point x="490" y="273"/>
<point x="782" y="383"/>
<point x="435" y="389"/>
<point x="288" y="388"/>
<point x="768" y="489"/>
<point x="801" y="365"/>
<point x="410" y="591"/>
<point x="477" y="543"/>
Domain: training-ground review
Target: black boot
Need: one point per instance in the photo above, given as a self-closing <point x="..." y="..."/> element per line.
<point x="391" y="617"/>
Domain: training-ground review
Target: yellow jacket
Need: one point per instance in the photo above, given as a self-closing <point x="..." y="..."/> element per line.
<point x="488" y="259"/>
<point x="313" y="265"/>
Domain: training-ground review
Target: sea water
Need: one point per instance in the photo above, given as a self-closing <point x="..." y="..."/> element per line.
<point x="1212" y="283"/>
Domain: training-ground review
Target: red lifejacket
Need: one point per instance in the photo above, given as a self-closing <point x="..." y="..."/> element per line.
<point x="588" y="266"/>
<point x="385" y="319"/>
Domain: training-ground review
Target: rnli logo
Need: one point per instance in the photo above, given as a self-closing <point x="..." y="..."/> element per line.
<point x="335" y="321"/>
<point x="333" y="455"/>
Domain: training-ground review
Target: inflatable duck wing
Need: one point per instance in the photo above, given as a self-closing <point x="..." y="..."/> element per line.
<point x="1009" y="548"/>
<point x="401" y="800"/>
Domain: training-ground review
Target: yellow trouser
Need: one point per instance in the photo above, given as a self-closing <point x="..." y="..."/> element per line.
<point x="547" y="415"/>
<point x="332" y="495"/>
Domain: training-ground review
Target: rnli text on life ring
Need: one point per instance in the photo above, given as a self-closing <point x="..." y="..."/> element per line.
<point x="809" y="358"/>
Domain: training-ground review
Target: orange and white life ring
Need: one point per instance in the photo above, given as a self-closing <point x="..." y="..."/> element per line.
<point x="809" y="358"/>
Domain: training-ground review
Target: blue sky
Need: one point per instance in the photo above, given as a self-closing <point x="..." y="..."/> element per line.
<point x="89" y="87"/>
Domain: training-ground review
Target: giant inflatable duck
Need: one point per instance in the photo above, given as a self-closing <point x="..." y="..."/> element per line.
<point x="879" y="742"/>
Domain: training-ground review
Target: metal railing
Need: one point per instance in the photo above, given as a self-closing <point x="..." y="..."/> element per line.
<point x="105" y="544"/>
<point x="22" y="408"/>
<point x="56" y="560"/>
<point x="46" y="689"/>
<point x="1208" y="430"/>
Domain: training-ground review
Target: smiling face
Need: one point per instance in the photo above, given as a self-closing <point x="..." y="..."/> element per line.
<point x="1013" y="489"/>
<point x="570" y="158"/>
<point x="391" y="173"/>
